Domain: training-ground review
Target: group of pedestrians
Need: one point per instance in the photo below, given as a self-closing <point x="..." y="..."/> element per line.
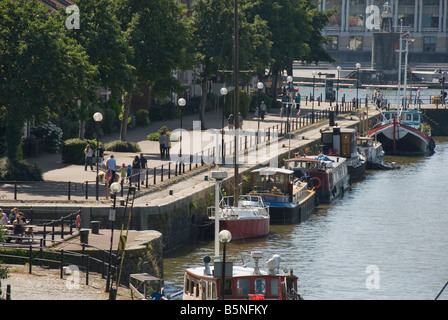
<point x="88" y="154"/>
<point x="164" y="144"/>
<point x="17" y="219"/>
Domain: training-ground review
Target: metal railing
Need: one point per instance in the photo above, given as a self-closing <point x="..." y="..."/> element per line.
<point x="152" y="176"/>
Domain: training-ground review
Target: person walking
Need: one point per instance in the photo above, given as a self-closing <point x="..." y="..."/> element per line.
<point x="123" y="172"/>
<point x="263" y="110"/>
<point x="99" y="154"/>
<point x="240" y="120"/>
<point x="231" y="121"/>
<point x="144" y="167"/>
<point x="167" y="145"/>
<point x="136" y="168"/>
<point x="111" y="165"/>
<point x="88" y="153"/>
<point x="162" y="140"/>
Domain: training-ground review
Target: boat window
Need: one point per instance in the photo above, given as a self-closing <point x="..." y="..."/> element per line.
<point x="274" y="286"/>
<point x="408" y="117"/>
<point x="228" y="287"/>
<point x="260" y="286"/>
<point x="416" y="117"/>
<point x="279" y="179"/>
<point x="387" y="115"/>
<point x="211" y="294"/>
<point x="187" y="285"/>
<point x="242" y="287"/>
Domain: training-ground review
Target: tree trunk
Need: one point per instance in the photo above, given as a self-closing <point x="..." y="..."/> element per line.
<point x="124" y="120"/>
<point x="81" y="128"/>
<point x="13" y="137"/>
<point x="203" y="103"/>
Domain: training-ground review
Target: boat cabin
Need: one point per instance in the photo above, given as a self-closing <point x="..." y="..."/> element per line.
<point x="408" y="117"/>
<point x="278" y="184"/>
<point x="337" y="141"/>
<point x="241" y="282"/>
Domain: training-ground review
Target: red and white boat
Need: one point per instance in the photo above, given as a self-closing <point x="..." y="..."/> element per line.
<point x="249" y="219"/>
<point x="240" y="282"/>
<point x="222" y="280"/>
<point x="401" y="133"/>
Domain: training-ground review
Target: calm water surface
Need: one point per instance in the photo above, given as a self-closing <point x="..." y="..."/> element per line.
<point x="387" y="239"/>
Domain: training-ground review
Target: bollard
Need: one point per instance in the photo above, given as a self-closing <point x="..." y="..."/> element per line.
<point x="8" y="292"/>
<point x="84" y="235"/>
<point x="95" y="227"/>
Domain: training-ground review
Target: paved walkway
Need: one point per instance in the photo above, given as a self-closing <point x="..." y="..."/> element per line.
<point x="59" y="173"/>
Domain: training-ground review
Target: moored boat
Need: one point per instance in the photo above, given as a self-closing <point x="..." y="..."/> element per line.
<point x="328" y="174"/>
<point x="400" y="133"/>
<point x="341" y="142"/>
<point x="240" y="282"/>
<point x="374" y="154"/>
<point x="290" y="200"/>
<point x="222" y="280"/>
<point x="249" y="219"/>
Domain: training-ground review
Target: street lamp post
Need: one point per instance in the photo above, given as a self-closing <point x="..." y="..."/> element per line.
<point x="223" y="92"/>
<point x="114" y="189"/>
<point x="181" y="102"/>
<point x="260" y="87"/>
<point x="290" y="86"/>
<point x="337" y="89"/>
<point x="97" y="117"/>
<point x="312" y="105"/>
<point x="224" y="237"/>
<point x="358" y="66"/>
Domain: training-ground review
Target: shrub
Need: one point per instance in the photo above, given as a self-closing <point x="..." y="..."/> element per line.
<point x="155" y="135"/>
<point x="19" y="170"/>
<point x="122" y="146"/>
<point x="73" y="150"/>
<point x="142" y="118"/>
<point x="52" y="133"/>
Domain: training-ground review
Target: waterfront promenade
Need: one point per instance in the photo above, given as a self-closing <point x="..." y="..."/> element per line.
<point x="57" y="174"/>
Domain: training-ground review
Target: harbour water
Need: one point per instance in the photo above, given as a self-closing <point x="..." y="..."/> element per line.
<point x="385" y="240"/>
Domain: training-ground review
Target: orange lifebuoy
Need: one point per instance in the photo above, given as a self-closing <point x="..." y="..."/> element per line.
<point x="108" y="175"/>
<point x="318" y="184"/>
<point x="78" y="221"/>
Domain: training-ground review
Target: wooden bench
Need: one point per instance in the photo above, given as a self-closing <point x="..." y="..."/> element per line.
<point x="28" y="232"/>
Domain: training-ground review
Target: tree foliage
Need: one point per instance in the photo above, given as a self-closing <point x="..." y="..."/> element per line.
<point x="42" y="69"/>
<point x="159" y="34"/>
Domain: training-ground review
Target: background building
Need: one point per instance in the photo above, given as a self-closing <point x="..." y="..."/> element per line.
<point x="351" y="28"/>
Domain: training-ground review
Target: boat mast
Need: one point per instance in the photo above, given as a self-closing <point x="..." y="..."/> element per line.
<point x="399" y="66"/>
<point x="406" y="68"/>
<point x="236" y="102"/>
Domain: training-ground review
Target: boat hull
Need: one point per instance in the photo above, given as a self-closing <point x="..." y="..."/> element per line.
<point x="327" y="194"/>
<point x="292" y="213"/>
<point x="246" y="228"/>
<point x="357" y="173"/>
<point x="400" y="139"/>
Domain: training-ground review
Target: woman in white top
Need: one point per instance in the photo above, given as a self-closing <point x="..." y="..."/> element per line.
<point x="88" y="159"/>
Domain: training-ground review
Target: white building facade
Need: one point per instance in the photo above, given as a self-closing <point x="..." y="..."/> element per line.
<point x="354" y="23"/>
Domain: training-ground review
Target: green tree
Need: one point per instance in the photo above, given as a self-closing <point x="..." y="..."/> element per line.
<point x="158" y="32"/>
<point x="42" y="70"/>
<point x="213" y="41"/>
<point x="295" y="27"/>
<point x="101" y="36"/>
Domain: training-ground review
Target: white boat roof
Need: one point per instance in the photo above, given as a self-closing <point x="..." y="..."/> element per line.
<point x="237" y="271"/>
<point x="268" y="171"/>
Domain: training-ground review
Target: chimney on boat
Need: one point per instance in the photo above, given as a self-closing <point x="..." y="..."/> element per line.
<point x="256" y="255"/>
<point x="207" y="270"/>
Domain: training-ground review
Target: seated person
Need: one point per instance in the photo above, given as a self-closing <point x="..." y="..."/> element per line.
<point x="19" y="224"/>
